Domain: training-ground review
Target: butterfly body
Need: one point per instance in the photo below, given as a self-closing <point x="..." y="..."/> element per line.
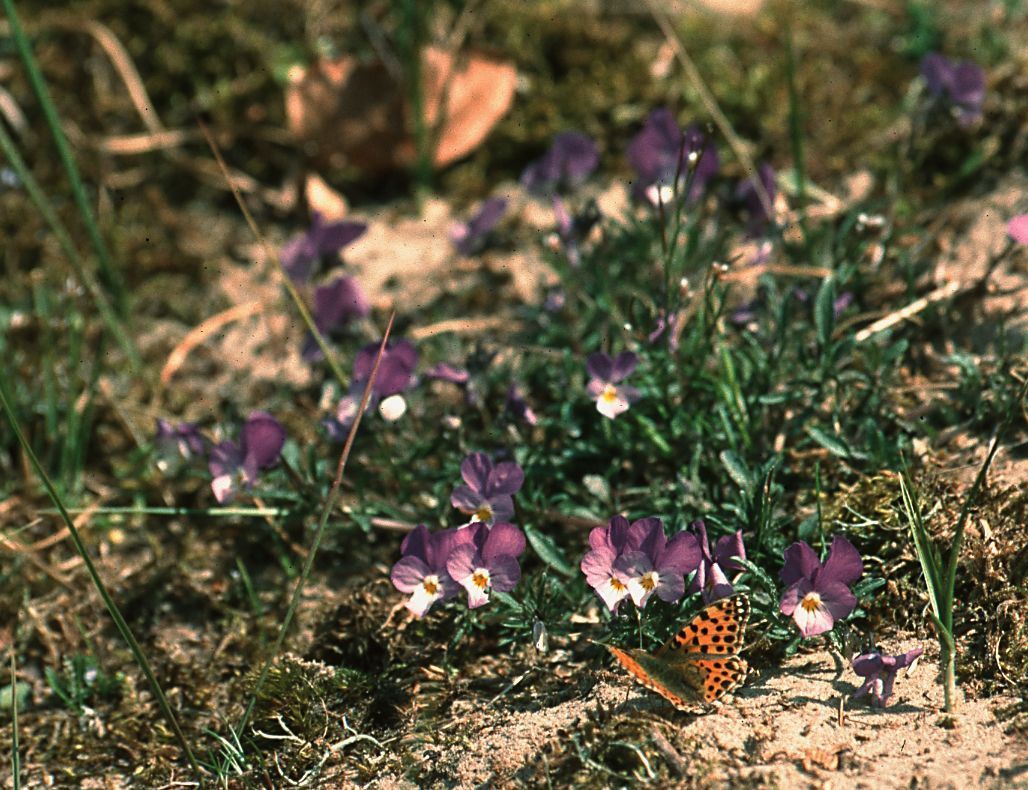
<point x="700" y="663"/>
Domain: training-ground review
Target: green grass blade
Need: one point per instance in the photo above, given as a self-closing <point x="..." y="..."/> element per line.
<point x="99" y="297"/>
<point x="319" y="533"/>
<point x="923" y="548"/>
<point x="112" y="607"/>
<point x="107" y="271"/>
<point x="796" y="123"/>
<point x="15" y="755"/>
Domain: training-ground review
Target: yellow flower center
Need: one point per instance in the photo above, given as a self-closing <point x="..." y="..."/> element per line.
<point x="430" y="584"/>
<point x="480" y="578"/>
<point x="609" y="394"/>
<point x="649" y="580"/>
<point x="484" y="513"/>
<point x="616" y="585"/>
<point x="811" y="603"/>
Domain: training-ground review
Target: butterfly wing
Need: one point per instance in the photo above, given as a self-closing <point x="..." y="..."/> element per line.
<point x="688" y="679"/>
<point x="681" y="685"/>
<point x="716" y="631"/>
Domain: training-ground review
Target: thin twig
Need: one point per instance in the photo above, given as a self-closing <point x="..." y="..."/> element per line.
<point x="912" y="309"/>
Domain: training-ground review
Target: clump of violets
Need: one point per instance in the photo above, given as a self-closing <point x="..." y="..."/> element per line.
<point x="1017" y="229"/>
<point x="421" y="570"/>
<point x="566" y="165"/>
<point x="302" y="254"/>
<point x="487" y="561"/>
<point x="817" y="594"/>
<point x="637" y="560"/>
<point x="234" y="465"/>
<point x="879" y="673"/>
<point x="395" y="376"/>
<point x="488" y="490"/>
<point x="176" y="445"/>
<point x="711" y="579"/>
<point x="665" y="158"/>
<point x="470" y="237"/>
<point x="605" y="386"/>
<point x="961" y="83"/>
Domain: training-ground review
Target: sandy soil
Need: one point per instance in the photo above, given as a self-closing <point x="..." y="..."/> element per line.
<point x="783" y="729"/>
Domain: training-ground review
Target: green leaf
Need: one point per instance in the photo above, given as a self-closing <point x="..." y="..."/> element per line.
<point x="832" y="444"/>
<point x="824" y="312"/>
<point x="654" y="434"/>
<point x="736" y="470"/>
<point x="760" y="575"/>
<point x="548" y="551"/>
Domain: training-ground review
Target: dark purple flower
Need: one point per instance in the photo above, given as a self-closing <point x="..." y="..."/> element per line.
<point x="879" y="673"/>
<point x="336" y="303"/>
<point x="606" y="374"/>
<point x="235" y="465"/>
<point x="752" y="201"/>
<point x="661" y="151"/>
<point x="654" y="564"/>
<point x="711" y="578"/>
<point x="470" y="237"/>
<point x="447" y="372"/>
<point x="395" y="371"/>
<point x="570" y="160"/>
<point x="301" y="253"/>
<point x="961" y="83"/>
<point x="488" y="562"/>
<point x="487" y="497"/>
<point x="176" y="444"/>
<point x="421" y="570"/>
<point x="1017" y="229"/>
<point x="817" y="594"/>
<point x="517" y="405"/>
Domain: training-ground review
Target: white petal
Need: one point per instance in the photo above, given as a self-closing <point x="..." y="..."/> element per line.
<point x="392" y="408"/>
<point x="611" y="407"/>
<point x="421" y="600"/>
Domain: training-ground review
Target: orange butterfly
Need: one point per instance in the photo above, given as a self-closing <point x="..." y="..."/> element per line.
<point x="700" y="663"/>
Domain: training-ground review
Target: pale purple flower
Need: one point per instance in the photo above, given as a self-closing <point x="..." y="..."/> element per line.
<point x="715" y="566"/>
<point x="817" y="594"/>
<point x="1017" y="229"/>
<point x="336" y="304"/>
<point x="605" y="387"/>
<point x="879" y="673"/>
<point x="175" y="445"/>
<point x="638" y="560"/>
<point x="517" y="405"/>
<point x="652" y="564"/>
<point x="489" y="561"/>
<point x="470" y="237"/>
<point x="662" y="152"/>
<point x="395" y="375"/>
<point x="444" y="371"/>
<point x="421" y="570"/>
<point x="752" y="202"/>
<point x="570" y="160"/>
<point x="961" y="83"/>
<point x="607" y="544"/>
<point x="488" y="494"/>
<point x="234" y="465"/>
<point x="301" y="254"/>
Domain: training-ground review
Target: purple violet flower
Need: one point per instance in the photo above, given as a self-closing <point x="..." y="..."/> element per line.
<point x="517" y="405"/>
<point x="175" y="445"/>
<point x="879" y="673"/>
<point x="395" y="374"/>
<point x="961" y="83"/>
<point x="234" y="465"/>
<point x="654" y="564"/>
<point x="607" y="545"/>
<point x="489" y="561"/>
<point x="1017" y="229"/>
<point x="421" y="570"/>
<point x="661" y="151"/>
<point x="817" y="594"/>
<point x="336" y="304"/>
<point x="470" y="237"/>
<point x="747" y="194"/>
<point x="606" y="374"/>
<point x="301" y="253"/>
<point x="570" y="160"/>
<point x="488" y="495"/>
<point x="712" y="573"/>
